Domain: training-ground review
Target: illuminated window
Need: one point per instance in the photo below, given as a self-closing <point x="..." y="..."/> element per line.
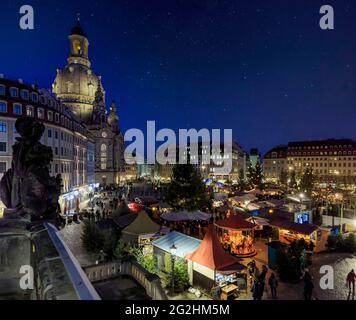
<point x="40" y="113"/>
<point x="30" y="111"/>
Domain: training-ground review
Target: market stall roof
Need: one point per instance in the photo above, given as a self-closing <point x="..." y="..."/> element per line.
<point x="258" y="221"/>
<point x="211" y="255"/>
<point x="186" y="216"/>
<point x="184" y="244"/>
<point x="125" y="220"/>
<point x="235" y="222"/>
<point x="142" y="225"/>
<point x="243" y="198"/>
<point x="305" y="229"/>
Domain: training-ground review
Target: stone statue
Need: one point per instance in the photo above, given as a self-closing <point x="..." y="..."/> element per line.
<point x="27" y="189"/>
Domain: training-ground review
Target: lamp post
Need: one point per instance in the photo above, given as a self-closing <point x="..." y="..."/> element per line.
<point x="173" y="253"/>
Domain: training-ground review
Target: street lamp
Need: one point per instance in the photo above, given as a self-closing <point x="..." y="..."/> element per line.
<point x="173" y="253"/>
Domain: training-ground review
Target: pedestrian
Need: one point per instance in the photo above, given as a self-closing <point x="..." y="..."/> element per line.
<point x="262" y="281"/>
<point x="308" y="284"/>
<point x="97" y="215"/>
<point x="251" y="269"/>
<point x="273" y="284"/>
<point x="350" y="279"/>
<point x="256" y="284"/>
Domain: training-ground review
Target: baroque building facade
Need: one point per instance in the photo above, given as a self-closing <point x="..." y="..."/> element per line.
<point x="72" y="144"/>
<point x="332" y="160"/>
<point x="81" y="90"/>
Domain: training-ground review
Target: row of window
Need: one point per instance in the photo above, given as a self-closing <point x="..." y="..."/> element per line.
<point x="16" y="93"/>
<point x="321" y="147"/>
<point x="317" y="153"/>
<point x="51" y="116"/>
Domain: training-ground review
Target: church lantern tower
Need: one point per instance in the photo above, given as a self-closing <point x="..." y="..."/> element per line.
<point x="76" y="84"/>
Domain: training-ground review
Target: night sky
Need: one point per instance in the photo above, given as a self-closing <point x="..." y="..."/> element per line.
<point x="263" y="68"/>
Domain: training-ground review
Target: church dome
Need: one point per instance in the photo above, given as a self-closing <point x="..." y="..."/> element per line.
<point x="74" y="80"/>
<point x="75" y="85"/>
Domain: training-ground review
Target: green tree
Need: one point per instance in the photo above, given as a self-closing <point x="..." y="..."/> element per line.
<point x="283" y="177"/>
<point x="255" y="176"/>
<point x="148" y="261"/>
<point x="180" y="275"/>
<point x="290" y="260"/>
<point x="92" y="237"/>
<point x="242" y="185"/>
<point x="307" y="181"/>
<point x="121" y="250"/>
<point x="293" y="180"/>
<point x="186" y="189"/>
<point x="109" y="243"/>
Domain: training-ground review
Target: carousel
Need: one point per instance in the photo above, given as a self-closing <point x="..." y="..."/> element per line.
<point x="237" y="236"/>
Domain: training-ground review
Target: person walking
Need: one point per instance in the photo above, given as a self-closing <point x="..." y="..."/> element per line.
<point x="350" y="279"/>
<point x="251" y="269"/>
<point x="97" y="215"/>
<point x="308" y="285"/>
<point x="262" y="281"/>
<point x="256" y="284"/>
<point x="273" y="284"/>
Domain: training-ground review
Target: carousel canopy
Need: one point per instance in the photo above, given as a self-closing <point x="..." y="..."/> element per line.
<point x="186" y="215"/>
<point x="184" y="244"/>
<point x="235" y="222"/>
<point x="142" y="225"/>
<point x="211" y="255"/>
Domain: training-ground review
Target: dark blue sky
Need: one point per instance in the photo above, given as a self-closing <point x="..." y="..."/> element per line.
<point x="263" y="68"/>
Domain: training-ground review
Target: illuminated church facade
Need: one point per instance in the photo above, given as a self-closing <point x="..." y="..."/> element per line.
<point x="81" y="90"/>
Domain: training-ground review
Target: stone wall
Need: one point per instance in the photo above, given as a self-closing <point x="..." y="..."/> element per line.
<point x="149" y="281"/>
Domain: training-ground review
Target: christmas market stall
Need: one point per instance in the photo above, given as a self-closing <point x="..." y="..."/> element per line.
<point x="237" y="235"/>
<point x="162" y="248"/>
<point x="313" y="235"/>
<point x="142" y="230"/>
<point x="211" y="267"/>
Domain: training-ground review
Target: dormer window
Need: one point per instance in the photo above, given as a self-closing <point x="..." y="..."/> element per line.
<point x="34" y="97"/>
<point x="14" y="92"/>
<point x="2" y="90"/>
<point x="24" y="94"/>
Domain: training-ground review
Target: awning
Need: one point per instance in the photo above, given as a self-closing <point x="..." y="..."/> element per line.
<point x="186" y="216"/>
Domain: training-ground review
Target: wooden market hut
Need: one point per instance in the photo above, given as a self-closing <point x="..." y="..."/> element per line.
<point x="290" y="231"/>
<point x="162" y="248"/>
<point x="237" y="234"/>
<point x="210" y="261"/>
